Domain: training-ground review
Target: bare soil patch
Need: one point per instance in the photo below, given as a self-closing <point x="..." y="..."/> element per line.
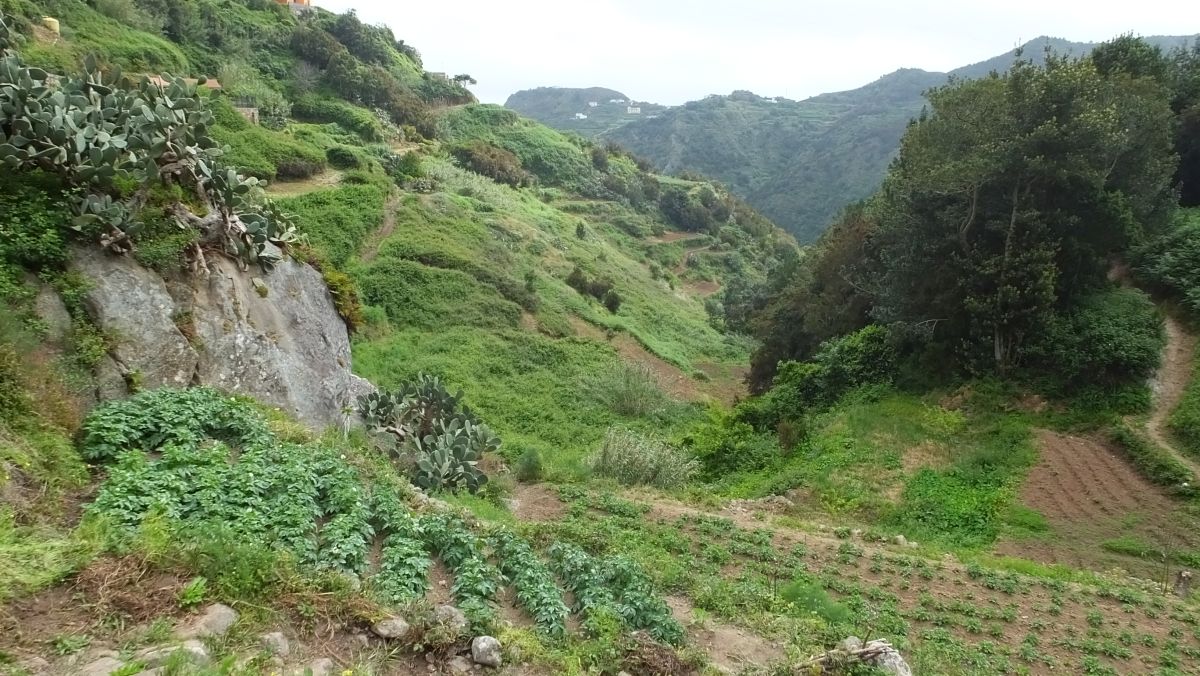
<point x="538" y="503"/>
<point x="326" y="179"/>
<point x="731" y="649"/>
<point x="672" y="236"/>
<point x="1089" y="495"/>
<point x="371" y="250"/>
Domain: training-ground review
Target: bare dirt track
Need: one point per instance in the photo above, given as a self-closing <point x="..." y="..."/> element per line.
<point x="1169" y="385"/>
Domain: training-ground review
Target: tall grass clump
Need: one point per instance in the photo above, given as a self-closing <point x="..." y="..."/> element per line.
<point x="629" y="391"/>
<point x="632" y="458"/>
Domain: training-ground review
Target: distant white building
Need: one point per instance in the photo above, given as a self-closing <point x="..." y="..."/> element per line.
<point x="633" y="110"/>
<point x="580" y="116"/>
<point x="593" y="104"/>
<point x="616" y="100"/>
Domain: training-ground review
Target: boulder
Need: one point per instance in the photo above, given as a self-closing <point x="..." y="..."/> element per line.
<point x="101" y="667"/>
<point x="850" y="644"/>
<point x="485" y="650"/>
<point x="321" y="667"/>
<point x="275" y="643"/>
<point x="900" y="540"/>
<point x="889" y="660"/>
<point x="131" y="304"/>
<point x="451" y="617"/>
<point x="215" y="621"/>
<point x="391" y="627"/>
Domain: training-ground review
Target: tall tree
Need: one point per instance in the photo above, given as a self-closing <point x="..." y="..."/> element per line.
<point x="1009" y="196"/>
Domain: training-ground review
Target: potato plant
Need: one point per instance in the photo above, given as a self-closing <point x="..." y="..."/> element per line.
<point x="536" y="589"/>
<point x="476" y="582"/>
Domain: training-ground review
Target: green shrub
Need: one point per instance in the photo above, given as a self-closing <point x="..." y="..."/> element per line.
<point x="808" y="599"/>
<point x="1172" y="261"/>
<point x="338" y="220"/>
<point x="361" y="121"/>
<point x="344" y="157"/>
<point x="1110" y="337"/>
<point x="632" y="458"/>
<point x="496" y="163"/>
<point x="725" y="445"/>
<point x="864" y="357"/>
<point x="264" y="153"/>
<point x="529" y="466"/>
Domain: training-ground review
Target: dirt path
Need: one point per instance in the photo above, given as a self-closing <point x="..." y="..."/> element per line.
<point x="1169" y="385"/>
<point x="385" y="230"/>
<point x="326" y="179"/>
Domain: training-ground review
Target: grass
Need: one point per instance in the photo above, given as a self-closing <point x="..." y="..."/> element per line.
<point x="1184" y="422"/>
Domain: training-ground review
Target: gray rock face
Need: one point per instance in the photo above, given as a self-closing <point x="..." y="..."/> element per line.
<point x="216" y="620"/>
<point x="130" y="303"/>
<point x="485" y="650"/>
<point x="276" y="338"/>
<point x="288" y="347"/>
<point x="889" y="661"/>
<point x="392" y="627"/>
<point x="49" y="308"/>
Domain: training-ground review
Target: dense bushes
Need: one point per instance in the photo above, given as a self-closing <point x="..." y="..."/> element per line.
<point x="261" y="152"/>
<point x="1109" y="338"/>
<point x="864" y="357"/>
<point x="599" y="288"/>
<point x="497" y="164"/>
<point x="312" y="108"/>
<point x="1172" y="262"/>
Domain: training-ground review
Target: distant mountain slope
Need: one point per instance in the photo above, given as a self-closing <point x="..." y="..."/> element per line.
<point x="799" y="162"/>
<point x="591" y="111"/>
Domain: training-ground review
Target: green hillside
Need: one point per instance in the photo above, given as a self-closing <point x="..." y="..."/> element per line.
<point x="948" y="446"/>
<point x="562" y="108"/>
<point x="799" y="162"/>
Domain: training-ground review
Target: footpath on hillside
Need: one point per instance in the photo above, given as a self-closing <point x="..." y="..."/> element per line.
<point x="1169" y="385"/>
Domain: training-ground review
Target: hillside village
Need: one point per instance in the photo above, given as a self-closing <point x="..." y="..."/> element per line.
<point x="312" y="364"/>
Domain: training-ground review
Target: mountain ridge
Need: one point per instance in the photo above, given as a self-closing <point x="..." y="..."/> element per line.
<point x="800" y="162"/>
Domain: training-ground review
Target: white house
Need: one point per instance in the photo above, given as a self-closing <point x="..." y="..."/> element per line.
<point x="580" y="116"/>
<point x="593" y="104"/>
<point x="616" y="100"/>
<point x="633" y="110"/>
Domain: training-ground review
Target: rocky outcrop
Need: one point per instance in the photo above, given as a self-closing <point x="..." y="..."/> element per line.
<point x="275" y="337"/>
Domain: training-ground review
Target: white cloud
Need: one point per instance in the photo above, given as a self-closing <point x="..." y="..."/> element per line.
<point x="671" y="51"/>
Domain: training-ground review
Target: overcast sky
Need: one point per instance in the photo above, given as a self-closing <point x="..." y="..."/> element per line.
<point x="671" y="51"/>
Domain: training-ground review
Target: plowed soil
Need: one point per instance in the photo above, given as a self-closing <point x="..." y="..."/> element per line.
<point x="1090" y="495"/>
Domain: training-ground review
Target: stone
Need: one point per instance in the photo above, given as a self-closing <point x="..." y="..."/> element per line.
<point x="391" y="627"/>
<point x="110" y="382"/>
<point x="215" y="621"/>
<point x="275" y="643"/>
<point x="850" y="644"/>
<point x="131" y="304"/>
<point x="321" y="667"/>
<point x="157" y="671"/>
<point x="459" y="665"/>
<point x="49" y="307"/>
<point x="889" y="660"/>
<point x="451" y="617"/>
<point x="857" y="533"/>
<point x="192" y="649"/>
<point x="35" y="665"/>
<point x="900" y="540"/>
<point x="101" y="667"/>
<point x="485" y="650"/>
<point x="362" y="640"/>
